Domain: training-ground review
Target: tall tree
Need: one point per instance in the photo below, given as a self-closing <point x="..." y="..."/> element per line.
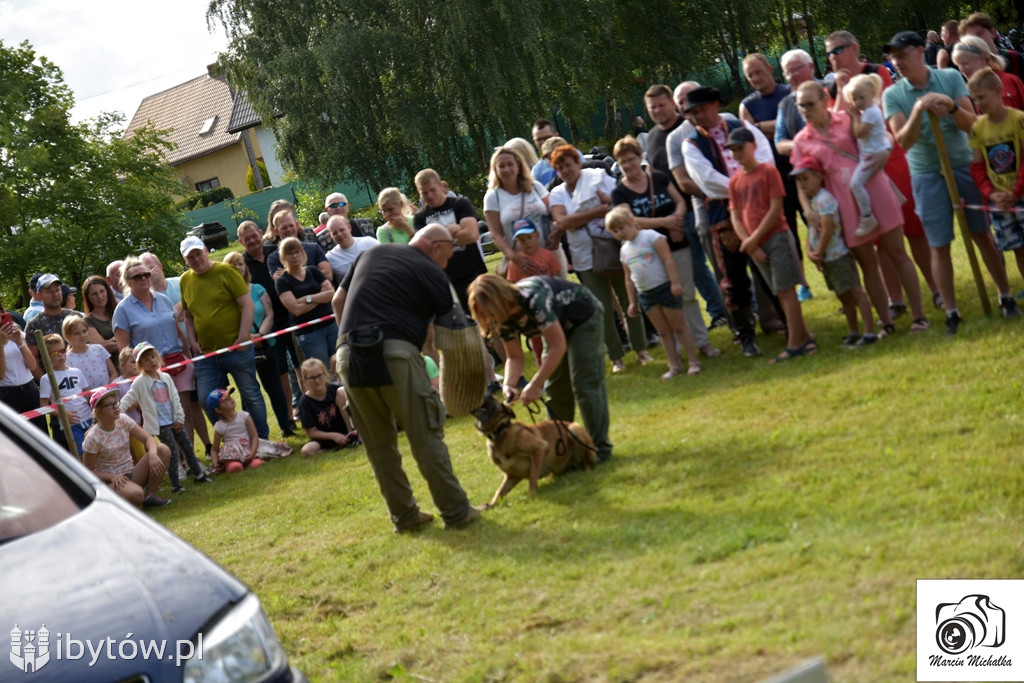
<point x="73" y="197"/>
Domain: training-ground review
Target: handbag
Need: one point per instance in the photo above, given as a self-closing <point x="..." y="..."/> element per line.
<point x="606" y="254"/>
<point x="366" y="364"/>
<point x="173" y="358"/>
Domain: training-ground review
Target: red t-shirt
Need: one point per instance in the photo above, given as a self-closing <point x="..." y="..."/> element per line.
<point x="751" y="192"/>
<point x="545" y="260"/>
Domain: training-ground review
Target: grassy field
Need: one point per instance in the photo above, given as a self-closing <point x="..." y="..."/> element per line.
<point x="752" y="517"/>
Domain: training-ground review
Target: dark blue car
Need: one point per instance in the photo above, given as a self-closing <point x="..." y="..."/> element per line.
<point x="93" y="590"/>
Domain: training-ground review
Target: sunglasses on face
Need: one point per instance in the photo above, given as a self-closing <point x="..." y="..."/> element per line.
<point x="140" y="276"/>
<point x="337" y="205"/>
<point x="837" y="50"/>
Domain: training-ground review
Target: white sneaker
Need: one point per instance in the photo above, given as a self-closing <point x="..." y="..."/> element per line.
<point x="866" y="226"/>
<point x="618" y="366"/>
<point x="644" y="358"/>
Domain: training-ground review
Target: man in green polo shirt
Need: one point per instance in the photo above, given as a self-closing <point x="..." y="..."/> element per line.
<point x="907" y="106"/>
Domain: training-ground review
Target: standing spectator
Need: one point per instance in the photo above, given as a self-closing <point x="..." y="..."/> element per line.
<point x="219" y="314"/>
<point x="980" y="24"/>
<point x="71" y="382"/>
<point x="950" y="35"/>
<point x="397" y="213"/>
<point x="459" y="217"/>
<point x="337" y="204"/>
<point x="543" y="130"/>
<point x="932" y="49"/>
<point x="307" y="295"/>
<point x="386" y="302"/>
<point x="347" y="247"/>
<point x="798" y="68"/>
<point x="99" y="303"/>
<point x="18" y="364"/>
<point x="114" y="278"/>
<point x="35" y="306"/>
<point x="971" y="55"/>
<point x="907" y="104"/>
<point x="51" y="318"/>
<point x="282" y="225"/>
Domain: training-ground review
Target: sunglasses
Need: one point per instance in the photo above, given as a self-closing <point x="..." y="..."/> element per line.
<point x="337" y="205"/>
<point x="140" y="276"/>
<point x="837" y="50"/>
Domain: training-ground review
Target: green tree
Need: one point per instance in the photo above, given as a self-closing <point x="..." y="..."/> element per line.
<point x="73" y="197"/>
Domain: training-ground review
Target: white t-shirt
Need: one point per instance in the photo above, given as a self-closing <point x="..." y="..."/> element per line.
<point x="342" y="259"/>
<point x="585" y="197"/>
<point x="645" y="267"/>
<point x="876" y="141"/>
<point x="17" y="373"/>
<point x="93" y="364"/>
<point x="70" y="382"/>
<point x="512" y="207"/>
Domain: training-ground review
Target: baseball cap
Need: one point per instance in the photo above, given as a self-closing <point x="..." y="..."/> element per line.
<point x="216" y="396"/>
<point x="905" y="39"/>
<point x="45" y="281"/>
<point x="549" y="146"/>
<point x="523" y="226"/>
<point x="739" y="136"/>
<point x="33" y="284"/>
<point x="99" y="394"/>
<point x="189" y="243"/>
<point x="702" y="95"/>
<point x="807" y="164"/>
<point x="140" y="349"/>
<point x="65" y="290"/>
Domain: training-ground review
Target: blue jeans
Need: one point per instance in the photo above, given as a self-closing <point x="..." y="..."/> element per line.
<point x="702" y="276"/>
<point x="212" y="373"/>
<point x="320" y="343"/>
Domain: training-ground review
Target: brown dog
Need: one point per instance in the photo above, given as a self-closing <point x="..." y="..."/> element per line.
<point x="525" y="452"/>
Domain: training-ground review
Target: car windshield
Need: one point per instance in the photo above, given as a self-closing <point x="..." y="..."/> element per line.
<point x="31" y="498"/>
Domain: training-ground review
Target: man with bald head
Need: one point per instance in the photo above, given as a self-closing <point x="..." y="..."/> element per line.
<point x="114" y="278"/>
<point x="347" y="247"/>
<point x="336" y="204"/>
<point x="384" y="305"/>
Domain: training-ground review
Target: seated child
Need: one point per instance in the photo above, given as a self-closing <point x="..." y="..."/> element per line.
<point x="70" y="381"/>
<point x="651" y="271"/>
<point x="755" y="208"/>
<point x="162" y="415"/>
<point x="998" y="172"/>
<point x="92" y="359"/>
<point x="527" y="238"/>
<point x="236" y="445"/>
<point x="129" y="371"/>
<point x="825" y="247"/>
<point x="322" y="411"/>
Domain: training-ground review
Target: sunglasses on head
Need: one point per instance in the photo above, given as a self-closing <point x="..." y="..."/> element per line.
<point x="337" y="205"/>
<point x="837" y="50"/>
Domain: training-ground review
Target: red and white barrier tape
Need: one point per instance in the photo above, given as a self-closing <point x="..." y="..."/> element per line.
<point x="989" y="209"/>
<point x="46" y="410"/>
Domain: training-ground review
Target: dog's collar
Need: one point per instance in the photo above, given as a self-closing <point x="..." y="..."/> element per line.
<point x="497" y="432"/>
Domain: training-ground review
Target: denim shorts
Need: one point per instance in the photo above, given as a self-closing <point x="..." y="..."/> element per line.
<point x="659" y="296"/>
<point x="1009" y="228"/>
<point x="934" y="208"/>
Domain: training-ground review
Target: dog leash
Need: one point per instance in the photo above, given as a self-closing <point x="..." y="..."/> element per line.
<point x="563" y="430"/>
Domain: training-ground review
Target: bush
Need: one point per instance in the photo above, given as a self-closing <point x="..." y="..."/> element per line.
<point x="250" y="179"/>
<point x="198" y="200"/>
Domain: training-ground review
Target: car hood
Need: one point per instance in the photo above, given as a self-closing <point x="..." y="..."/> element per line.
<point x="108" y="573"/>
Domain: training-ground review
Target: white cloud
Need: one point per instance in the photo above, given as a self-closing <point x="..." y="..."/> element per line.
<point x="115" y="52"/>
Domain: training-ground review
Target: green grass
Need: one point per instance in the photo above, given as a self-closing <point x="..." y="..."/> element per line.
<point x="752" y="516"/>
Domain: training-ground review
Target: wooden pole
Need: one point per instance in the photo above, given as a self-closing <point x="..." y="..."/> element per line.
<point x="954" y="197"/>
<point x="62" y="413"/>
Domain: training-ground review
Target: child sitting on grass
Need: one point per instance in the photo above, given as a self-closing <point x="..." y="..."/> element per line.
<point x="651" y="271"/>
<point x="162" y="415"/>
<point x="755" y="207"/>
<point x="996" y="132"/>
<point x="322" y="411"/>
<point x="70" y="381"/>
<point x="825" y="247"/>
<point x="236" y="444"/>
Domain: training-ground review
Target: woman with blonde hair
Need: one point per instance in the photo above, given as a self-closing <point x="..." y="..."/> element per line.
<point x="526" y="151"/>
<point x="513" y="194"/>
<point x="397" y="212"/>
<point x="307" y="295"/>
<point x="571" y="321"/>
<point x="972" y="54"/>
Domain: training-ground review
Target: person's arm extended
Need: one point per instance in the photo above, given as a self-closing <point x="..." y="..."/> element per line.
<point x="711" y="183"/>
<point x="575" y="221"/>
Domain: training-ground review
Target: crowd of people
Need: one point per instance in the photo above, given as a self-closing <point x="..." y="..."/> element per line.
<point x="703" y="202"/>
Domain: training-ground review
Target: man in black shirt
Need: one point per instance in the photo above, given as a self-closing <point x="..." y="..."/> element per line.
<point x="384" y="305"/>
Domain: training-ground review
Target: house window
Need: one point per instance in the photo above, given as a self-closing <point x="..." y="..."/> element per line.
<point x="207" y="125"/>
<point x="205" y="185"/>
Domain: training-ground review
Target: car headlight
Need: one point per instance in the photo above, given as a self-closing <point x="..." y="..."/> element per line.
<point x="240" y="647"/>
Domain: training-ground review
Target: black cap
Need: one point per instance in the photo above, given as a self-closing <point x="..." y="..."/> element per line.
<point x="34" y="281"/>
<point x="904" y="39"/>
<point x="701" y="95"/>
<point x="739" y="136"/>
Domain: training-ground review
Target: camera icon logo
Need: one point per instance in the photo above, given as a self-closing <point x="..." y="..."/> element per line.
<point x="973" y="622"/>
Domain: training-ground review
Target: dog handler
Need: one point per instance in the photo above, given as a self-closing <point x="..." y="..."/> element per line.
<point x="570" y="319"/>
<point x="384" y="304"/>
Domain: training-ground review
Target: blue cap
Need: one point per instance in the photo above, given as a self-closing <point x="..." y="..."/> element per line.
<point x="523" y="226"/>
<point x="216" y="396"/>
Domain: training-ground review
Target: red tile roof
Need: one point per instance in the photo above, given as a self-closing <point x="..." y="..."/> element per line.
<point x="183" y="110"/>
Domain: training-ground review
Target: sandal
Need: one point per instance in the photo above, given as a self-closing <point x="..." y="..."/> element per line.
<point x="672" y="372"/>
<point x="710" y="351"/>
<point x="919" y="325"/>
<point x="694" y="369"/>
<point x="810" y="347"/>
<point x="887" y="330"/>
<point x="787" y="354"/>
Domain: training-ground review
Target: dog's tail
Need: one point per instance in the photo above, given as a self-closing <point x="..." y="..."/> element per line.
<point x="583" y="449"/>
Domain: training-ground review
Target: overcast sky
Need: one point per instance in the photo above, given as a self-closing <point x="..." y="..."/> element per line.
<point x="114" y="52"/>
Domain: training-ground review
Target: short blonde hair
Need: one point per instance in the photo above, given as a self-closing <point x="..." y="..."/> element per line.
<point x="392" y="195"/>
<point x="72" y="324"/>
<point x="618" y="216"/>
<point x="426" y="176"/>
<point x="54" y="341"/>
<point x="124" y="355"/>
<point x="627" y="145"/>
<point x="984" y="79"/>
